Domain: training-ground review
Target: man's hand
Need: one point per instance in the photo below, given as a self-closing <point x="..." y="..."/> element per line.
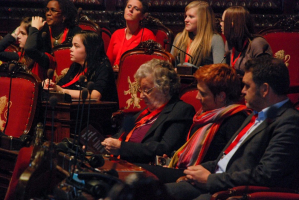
<point x="37" y="22"/>
<point x="112" y="145"/>
<point x="197" y="173"/>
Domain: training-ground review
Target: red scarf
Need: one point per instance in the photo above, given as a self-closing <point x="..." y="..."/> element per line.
<point x="194" y="150"/>
<point x="75" y="79"/>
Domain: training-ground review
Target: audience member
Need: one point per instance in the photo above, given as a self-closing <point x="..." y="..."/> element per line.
<point x="199" y="38"/>
<point x="261" y="149"/>
<point x="162" y="126"/>
<point x="128" y="38"/>
<point x="61" y="17"/>
<point x="89" y="60"/>
<point x="213" y="126"/>
<point x="33" y="55"/>
<point x="241" y="42"/>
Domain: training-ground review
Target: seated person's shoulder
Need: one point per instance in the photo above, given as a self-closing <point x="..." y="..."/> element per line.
<point x="118" y="32"/>
<point x="258" y="41"/>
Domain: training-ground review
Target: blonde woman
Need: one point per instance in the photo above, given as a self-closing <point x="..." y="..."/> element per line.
<point x="199" y="38"/>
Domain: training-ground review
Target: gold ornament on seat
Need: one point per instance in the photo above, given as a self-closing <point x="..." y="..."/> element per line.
<point x="134" y="100"/>
<point x="281" y="55"/>
<point x="3" y="105"/>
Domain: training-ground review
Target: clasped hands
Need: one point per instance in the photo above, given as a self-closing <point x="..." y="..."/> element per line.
<point x="196" y="175"/>
<point x="112" y="145"/>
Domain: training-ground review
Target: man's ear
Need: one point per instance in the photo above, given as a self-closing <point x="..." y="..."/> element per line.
<point x="264" y="89"/>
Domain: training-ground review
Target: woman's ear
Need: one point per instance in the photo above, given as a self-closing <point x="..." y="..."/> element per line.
<point x="221" y="97"/>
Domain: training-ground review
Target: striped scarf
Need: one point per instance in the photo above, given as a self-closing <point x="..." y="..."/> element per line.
<point x="194" y="150"/>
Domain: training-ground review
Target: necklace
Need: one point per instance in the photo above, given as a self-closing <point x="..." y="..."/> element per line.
<point x="57" y="38"/>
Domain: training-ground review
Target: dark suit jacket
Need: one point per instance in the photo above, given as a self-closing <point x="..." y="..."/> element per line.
<point x="167" y="133"/>
<point x="268" y="157"/>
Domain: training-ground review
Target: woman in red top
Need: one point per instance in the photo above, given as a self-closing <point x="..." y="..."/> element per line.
<point x="129" y="37"/>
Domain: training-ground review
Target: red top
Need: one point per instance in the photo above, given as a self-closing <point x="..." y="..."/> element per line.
<point x="119" y="44"/>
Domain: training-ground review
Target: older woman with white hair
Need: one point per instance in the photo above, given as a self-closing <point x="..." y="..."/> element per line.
<point x="163" y="125"/>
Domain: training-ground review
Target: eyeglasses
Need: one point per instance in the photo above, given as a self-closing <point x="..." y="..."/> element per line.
<point x="52" y="11"/>
<point x="147" y="92"/>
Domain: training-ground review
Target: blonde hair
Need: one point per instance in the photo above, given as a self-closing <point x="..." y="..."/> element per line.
<point x="200" y="48"/>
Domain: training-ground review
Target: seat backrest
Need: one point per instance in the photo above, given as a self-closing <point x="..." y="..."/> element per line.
<point x="131" y="60"/>
<point x="22" y="104"/>
<point x="106" y="36"/>
<point x="63" y="60"/>
<point x="22" y="163"/>
<point x="188" y="95"/>
<point x="164" y="35"/>
<point x="87" y="24"/>
<point x="284" y="40"/>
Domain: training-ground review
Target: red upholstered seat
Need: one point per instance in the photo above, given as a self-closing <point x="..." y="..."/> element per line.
<point x="272" y="196"/>
<point x="188" y="95"/>
<point x="242" y="191"/>
<point x="87" y="24"/>
<point x="284" y="40"/>
<point x="63" y="60"/>
<point x="106" y="36"/>
<point x="161" y="32"/>
<point x="131" y="60"/>
<point x="23" y="101"/>
<point x="22" y="163"/>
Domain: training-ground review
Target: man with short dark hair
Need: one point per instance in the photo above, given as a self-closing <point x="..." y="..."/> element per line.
<point x="265" y="150"/>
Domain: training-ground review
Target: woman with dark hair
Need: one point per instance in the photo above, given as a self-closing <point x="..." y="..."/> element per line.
<point x="199" y="38"/>
<point x="213" y="125"/>
<point x="162" y="126"/>
<point x="34" y="56"/>
<point x="89" y="59"/>
<point x="128" y="38"/>
<point x="241" y="42"/>
<point x="61" y="18"/>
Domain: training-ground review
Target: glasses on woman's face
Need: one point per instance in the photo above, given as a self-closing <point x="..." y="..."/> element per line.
<point x="145" y="91"/>
<point x="52" y="10"/>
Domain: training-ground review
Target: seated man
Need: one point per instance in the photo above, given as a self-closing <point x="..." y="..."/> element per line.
<point x="261" y="149"/>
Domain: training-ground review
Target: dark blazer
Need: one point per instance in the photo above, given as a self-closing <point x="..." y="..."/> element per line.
<point x="268" y="157"/>
<point x="166" y="135"/>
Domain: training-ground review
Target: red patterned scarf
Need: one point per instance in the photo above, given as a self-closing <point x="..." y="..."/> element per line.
<point x="194" y="150"/>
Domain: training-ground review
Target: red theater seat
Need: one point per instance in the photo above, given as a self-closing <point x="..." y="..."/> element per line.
<point x="23" y="102"/>
<point x="252" y="191"/>
<point x="188" y="95"/>
<point x="163" y="34"/>
<point x="106" y="36"/>
<point x="283" y="38"/>
<point x="87" y="24"/>
<point x="131" y="60"/>
<point x="22" y="163"/>
<point x="63" y="60"/>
